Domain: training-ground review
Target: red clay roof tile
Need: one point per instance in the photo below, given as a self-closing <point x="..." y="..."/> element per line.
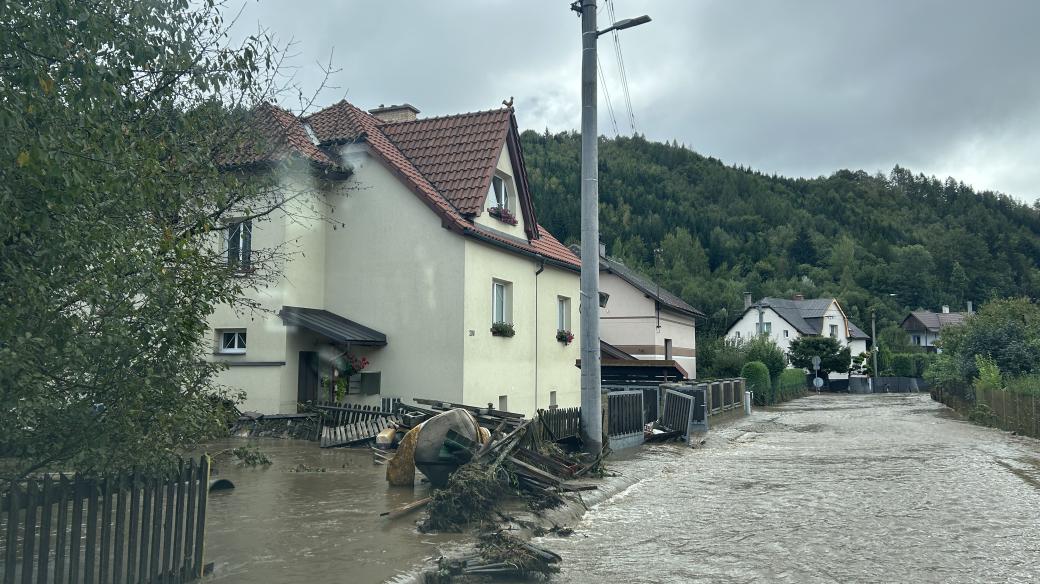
<point x="279" y="137"/>
<point x="447" y="161"/>
<point x="458" y="154"/>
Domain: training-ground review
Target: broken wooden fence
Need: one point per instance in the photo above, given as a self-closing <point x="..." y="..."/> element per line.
<point x="113" y="529"/>
<point x="347" y="424"/>
<point x="558" y="423"/>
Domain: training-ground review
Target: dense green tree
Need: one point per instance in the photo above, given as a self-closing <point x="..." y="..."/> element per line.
<point x="112" y="113"/>
<point x="833" y="356"/>
<point x="851" y="235"/>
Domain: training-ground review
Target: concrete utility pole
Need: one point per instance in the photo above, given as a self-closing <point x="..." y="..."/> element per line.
<point x="591" y="401"/>
<point x="591" y="406"/>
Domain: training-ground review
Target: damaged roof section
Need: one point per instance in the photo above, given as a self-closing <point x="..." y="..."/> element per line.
<point x="447" y="161"/>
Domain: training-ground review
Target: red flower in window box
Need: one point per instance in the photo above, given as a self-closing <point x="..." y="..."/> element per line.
<point x="565" y="337"/>
<point x="502" y="214"/>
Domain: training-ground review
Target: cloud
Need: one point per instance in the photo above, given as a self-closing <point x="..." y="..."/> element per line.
<point x="940" y="86"/>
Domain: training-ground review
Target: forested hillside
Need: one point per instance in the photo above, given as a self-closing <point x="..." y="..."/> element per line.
<point x="709" y="231"/>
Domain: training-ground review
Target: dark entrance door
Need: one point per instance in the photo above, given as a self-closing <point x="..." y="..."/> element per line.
<point x="307" y="389"/>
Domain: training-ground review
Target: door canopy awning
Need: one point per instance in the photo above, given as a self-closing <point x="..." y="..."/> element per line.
<point x="332" y="326"/>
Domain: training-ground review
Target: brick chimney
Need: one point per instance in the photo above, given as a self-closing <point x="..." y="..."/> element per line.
<point x="798" y="297"/>
<point x="747" y="300"/>
<point x="946" y="309"/>
<point x="971" y="307"/>
<point x="405" y="112"/>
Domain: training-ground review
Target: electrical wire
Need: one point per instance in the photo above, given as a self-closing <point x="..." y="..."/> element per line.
<point x="606" y="95"/>
<point x="621" y="67"/>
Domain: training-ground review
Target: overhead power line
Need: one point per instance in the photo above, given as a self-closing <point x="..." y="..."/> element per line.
<point x="621" y="67"/>
<point x="606" y="95"/>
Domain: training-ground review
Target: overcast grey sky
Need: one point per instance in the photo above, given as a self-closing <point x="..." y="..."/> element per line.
<point x="797" y="87"/>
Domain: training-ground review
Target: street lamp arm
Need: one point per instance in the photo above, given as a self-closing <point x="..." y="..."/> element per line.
<point x="626" y="23"/>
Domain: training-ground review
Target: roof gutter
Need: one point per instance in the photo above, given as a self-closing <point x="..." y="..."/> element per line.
<point x="537" y="256"/>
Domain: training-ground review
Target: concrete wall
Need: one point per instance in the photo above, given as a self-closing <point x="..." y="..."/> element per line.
<point x="267" y="371"/>
<point x="391" y="266"/>
<point x="629" y="321"/>
<point x="530" y="365"/>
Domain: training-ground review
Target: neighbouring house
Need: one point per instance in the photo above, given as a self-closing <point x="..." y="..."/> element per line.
<point x="924" y="326"/>
<point x="643" y="320"/>
<point x="784" y="320"/>
<point x="410" y="243"/>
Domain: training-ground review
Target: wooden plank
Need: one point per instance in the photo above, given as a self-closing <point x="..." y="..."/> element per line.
<point x="146" y="530"/>
<point x="535" y="471"/>
<point x="90" y="555"/>
<point x="11" y="557"/>
<point x="106" y="530"/>
<point x="63" y="518"/>
<point x="167" y="550"/>
<point x="76" y="535"/>
<point x="189" y="521"/>
<point x="155" y="549"/>
<point x="47" y="501"/>
<point x="134" y="529"/>
<point x="28" y="530"/>
<point x="406" y="508"/>
<point x="178" y="532"/>
<point x="200" y="522"/>
<point x="120" y="529"/>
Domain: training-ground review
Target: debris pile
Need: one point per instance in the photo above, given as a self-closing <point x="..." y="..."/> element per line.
<point x="481" y="457"/>
<point x="498" y="554"/>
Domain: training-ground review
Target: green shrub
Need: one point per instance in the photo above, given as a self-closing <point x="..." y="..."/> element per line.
<point x="728" y="359"/>
<point x="791" y="384"/>
<point x="764" y="350"/>
<point x="989" y="374"/>
<point x="1023" y="384"/>
<point x="902" y="365"/>
<point x="757" y="375"/>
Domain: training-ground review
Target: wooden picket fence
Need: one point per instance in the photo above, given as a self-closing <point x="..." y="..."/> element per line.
<point x="346" y="424"/>
<point x="113" y="529"/>
<point x="559" y="423"/>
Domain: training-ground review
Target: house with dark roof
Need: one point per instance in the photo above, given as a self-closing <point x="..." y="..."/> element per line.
<point x="411" y="242"/>
<point x="784" y="320"/>
<point x="644" y="321"/>
<point x="925" y="326"/>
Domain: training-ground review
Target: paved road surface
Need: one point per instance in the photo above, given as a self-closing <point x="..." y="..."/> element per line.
<point x="832" y="488"/>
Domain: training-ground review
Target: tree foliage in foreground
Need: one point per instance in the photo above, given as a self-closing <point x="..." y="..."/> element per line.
<point x="111" y="114"/>
<point x="722" y="230"/>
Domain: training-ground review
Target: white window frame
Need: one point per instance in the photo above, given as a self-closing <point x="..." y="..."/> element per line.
<point x="563" y="313"/>
<point x="501" y="305"/>
<point x="787" y="333"/>
<point x="499" y="191"/>
<point x="668" y="349"/>
<point x="738" y="334"/>
<point x="239" y="341"/>
<point x="834" y="331"/>
<point x="503" y="403"/>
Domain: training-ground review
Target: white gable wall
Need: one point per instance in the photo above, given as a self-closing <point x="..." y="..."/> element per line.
<point x="505" y="168"/>
<point x="629" y="322"/>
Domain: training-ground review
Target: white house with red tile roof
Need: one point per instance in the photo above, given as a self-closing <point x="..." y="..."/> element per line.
<point x="407" y="239"/>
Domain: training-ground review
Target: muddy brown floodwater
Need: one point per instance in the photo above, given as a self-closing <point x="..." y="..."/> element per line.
<point x="283" y="526"/>
<point x="877" y="488"/>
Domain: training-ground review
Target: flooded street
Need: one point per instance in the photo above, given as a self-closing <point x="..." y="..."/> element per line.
<point x="288" y="523"/>
<point x="832" y="488"/>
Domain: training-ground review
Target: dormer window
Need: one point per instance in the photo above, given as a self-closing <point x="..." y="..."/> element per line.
<point x="499" y="205"/>
<point x="499" y="192"/>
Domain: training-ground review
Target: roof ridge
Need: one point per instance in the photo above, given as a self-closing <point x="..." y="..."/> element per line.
<point x="448" y="116"/>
